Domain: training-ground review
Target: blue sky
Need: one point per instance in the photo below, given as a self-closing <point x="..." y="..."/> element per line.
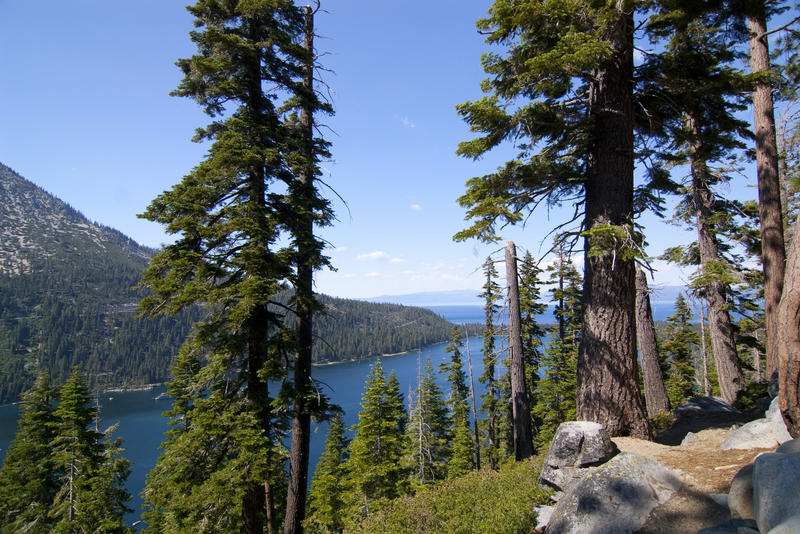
<point x="86" y="114"/>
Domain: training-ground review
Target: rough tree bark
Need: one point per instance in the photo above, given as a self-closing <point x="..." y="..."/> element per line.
<point x="607" y="385"/>
<point x="789" y="346"/>
<point x="304" y="302"/>
<point x="521" y="413"/>
<point x="773" y="251"/>
<point x="655" y="393"/>
<point x="729" y="369"/>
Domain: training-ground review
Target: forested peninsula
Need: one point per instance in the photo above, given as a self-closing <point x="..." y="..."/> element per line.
<point x="68" y="297"/>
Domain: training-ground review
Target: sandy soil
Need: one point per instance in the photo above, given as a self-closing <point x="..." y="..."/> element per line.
<point x="704" y="468"/>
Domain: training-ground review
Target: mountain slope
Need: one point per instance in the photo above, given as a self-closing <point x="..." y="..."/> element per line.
<point x="67" y="298"/>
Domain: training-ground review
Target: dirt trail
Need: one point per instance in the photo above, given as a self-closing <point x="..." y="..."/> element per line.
<point x="704" y="468"/>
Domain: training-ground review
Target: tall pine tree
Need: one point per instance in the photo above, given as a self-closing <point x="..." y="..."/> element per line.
<point x="245" y="217"/>
<point x="489" y="405"/>
<point x="695" y="92"/>
<point x="461" y="451"/>
<point x="28" y="478"/>
<point x="90" y="496"/>
<point x="563" y="93"/>
<point x="556" y="395"/>
<point x="326" y="497"/>
<point x="374" y="469"/>
<point x="428" y="432"/>
<point x="676" y="351"/>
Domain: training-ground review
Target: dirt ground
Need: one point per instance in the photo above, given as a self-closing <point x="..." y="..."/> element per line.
<point x="703" y="466"/>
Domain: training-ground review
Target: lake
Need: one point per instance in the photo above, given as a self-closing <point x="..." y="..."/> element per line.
<point x="142" y="427"/>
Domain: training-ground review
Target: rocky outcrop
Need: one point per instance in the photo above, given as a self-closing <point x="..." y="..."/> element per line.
<point x="740" y="496"/>
<point x="704" y="406"/>
<point x="762" y="433"/>
<point x="766" y="492"/>
<point x="776" y="489"/>
<point x="616" y="497"/>
<point x="576" y="446"/>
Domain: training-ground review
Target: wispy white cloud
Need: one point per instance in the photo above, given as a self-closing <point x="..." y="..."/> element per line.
<point x="416" y="207"/>
<point x="373" y="256"/>
<point x="340" y="249"/>
<point x="380" y="255"/>
<point x="373" y="274"/>
<point x="405" y="121"/>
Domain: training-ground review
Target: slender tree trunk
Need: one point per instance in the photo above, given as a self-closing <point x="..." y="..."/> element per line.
<point x="789" y="348"/>
<point x="729" y="369"/>
<point x="521" y="413"/>
<point x="476" y="433"/>
<point x="706" y="385"/>
<point x="655" y="393"/>
<point x="258" y="497"/>
<point x="607" y="382"/>
<point x="304" y="303"/>
<point x="773" y="252"/>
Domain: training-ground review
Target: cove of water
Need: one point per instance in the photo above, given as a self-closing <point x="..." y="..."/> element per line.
<point x="142" y="427"/>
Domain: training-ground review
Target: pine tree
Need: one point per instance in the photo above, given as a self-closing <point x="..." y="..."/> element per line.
<point x="695" y="92"/>
<point x="556" y="394"/>
<point x="489" y="404"/>
<point x="676" y="352"/>
<point x="27" y="479"/>
<point x="563" y="93"/>
<point x="90" y="496"/>
<point x="310" y="210"/>
<point x="326" y="497"/>
<point x="773" y="249"/>
<point x="428" y="432"/>
<point x="532" y="332"/>
<point x="104" y="503"/>
<point x="655" y="393"/>
<point x="374" y="472"/>
<point x="253" y="194"/>
<point x="461" y="454"/>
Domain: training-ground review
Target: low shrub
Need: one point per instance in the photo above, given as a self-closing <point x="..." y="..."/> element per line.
<point x="479" y="502"/>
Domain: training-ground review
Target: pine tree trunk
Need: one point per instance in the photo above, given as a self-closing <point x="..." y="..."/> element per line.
<point x="773" y="252"/>
<point x="706" y="386"/>
<point x="729" y="369"/>
<point x="521" y="413"/>
<point x="655" y="393"/>
<point x="607" y="383"/>
<point x="304" y="299"/>
<point x="789" y="348"/>
<point x="476" y="436"/>
<point x="257" y="499"/>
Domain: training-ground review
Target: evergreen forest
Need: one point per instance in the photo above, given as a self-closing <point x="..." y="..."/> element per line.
<point x="619" y="109"/>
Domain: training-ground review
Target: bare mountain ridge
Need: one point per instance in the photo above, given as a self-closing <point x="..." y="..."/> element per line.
<point x="67" y="299"/>
<point x="37" y="226"/>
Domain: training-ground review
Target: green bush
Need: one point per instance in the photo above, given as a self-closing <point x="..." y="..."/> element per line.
<point x="482" y="502"/>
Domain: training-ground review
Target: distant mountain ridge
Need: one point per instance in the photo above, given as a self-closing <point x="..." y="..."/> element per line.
<point x="67" y="298"/>
<point x="39" y="227"/>
<point x="469" y="297"/>
<point x="457" y="297"/>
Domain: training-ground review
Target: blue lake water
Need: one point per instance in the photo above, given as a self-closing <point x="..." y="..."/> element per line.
<point x="142" y="427"/>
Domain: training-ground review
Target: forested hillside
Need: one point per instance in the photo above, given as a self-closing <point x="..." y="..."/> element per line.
<point x="67" y="298"/>
<point x="356" y="329"/>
